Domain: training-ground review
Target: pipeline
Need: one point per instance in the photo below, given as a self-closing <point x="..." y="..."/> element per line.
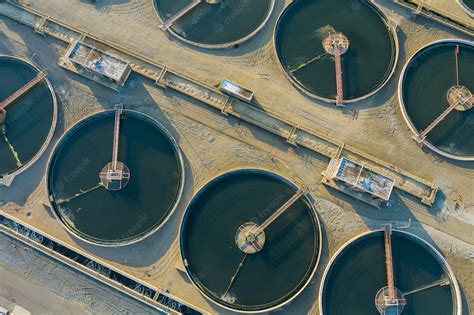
<point x="82" y="193"/>
<point x="235" y="275"/>
<point x="319" y="57"/>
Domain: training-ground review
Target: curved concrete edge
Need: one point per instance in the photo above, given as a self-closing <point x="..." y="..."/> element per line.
<point x="309" y="199"/>
<point x="402" y="103"/>
<point x="393" y="32"/>
<point x="65" y="136"/>
<point x="219" y="46"/>
<point x="434" y="252"/>
<point x="8" y="178"/>
<point x="466" y="8"/>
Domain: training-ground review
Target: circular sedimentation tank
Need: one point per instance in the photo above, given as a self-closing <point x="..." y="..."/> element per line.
<point x="27" y="123"/>
<point x="143" y="189"/>
<point x="368" y="57"/>
<point x="249" y="271"/>
<point x="435" y="93"/>
<point x="357" y="275"/>
<point x="215" y="23"/>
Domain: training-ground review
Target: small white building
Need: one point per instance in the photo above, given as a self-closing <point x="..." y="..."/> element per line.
<point x="96" y="65"/>
<point x="358" y="181"/>
<point x="237" y="91"/>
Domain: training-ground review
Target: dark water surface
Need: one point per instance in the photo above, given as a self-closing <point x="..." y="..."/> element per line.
<point x="469" y="3"/>
<point x="216" y="24"/>
<point x="427" y="80"/>
<point x="267" y="278"/>
<point x="367" y="63"/>
<point x="359" y="272"/>
<point x="114" y="216"/>
<point x="28" y="119"/>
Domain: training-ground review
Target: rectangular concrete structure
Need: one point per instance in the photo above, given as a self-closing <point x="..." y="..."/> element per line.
<point x="359" y="177"/>
<point x="449" y="13"/>
<point x="96" y="65"/>
<point x="336" y="178"/>
<point x="236" y="90"/>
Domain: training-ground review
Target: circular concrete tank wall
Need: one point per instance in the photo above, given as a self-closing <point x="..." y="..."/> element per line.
<point x="357" y="272"/>
<point x="247" y="279"/>
<point x="27" y="123"/>
<point x="367" y="64"/>
<point x="114" y="217"/>
<point x="424" y="94"/>
<point x="468" y="6"/>
<point x="215" y="24"/>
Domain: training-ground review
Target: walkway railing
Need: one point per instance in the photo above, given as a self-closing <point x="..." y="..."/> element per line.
<point x="22" y="91"/>
<point x="168" y="23"/>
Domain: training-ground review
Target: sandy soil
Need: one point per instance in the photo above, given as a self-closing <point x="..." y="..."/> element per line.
<point x="30" y="279"/>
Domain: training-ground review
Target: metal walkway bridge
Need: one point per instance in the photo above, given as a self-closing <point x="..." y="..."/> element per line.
<point x="250" y="237"/>
<point x="118" y="113"/>
<point x="438" y="119"/>
<point x="115" y="175"/>
<point x="389" y="262"/>
<point x="339" y="85"/>
<point x="337" y="44"/>
<point x="22" y="91"/>
<point x="168" y="23"/>
<point x="282" y="209"/>
<point x="389" y="300"/>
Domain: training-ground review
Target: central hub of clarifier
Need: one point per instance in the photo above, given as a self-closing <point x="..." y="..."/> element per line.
<point x="335" y="40"/>
<point x="114" y="178"/>
<point x="390" y="305"/>
<point x="461" y="95"/>
<point x="250" y="238"/>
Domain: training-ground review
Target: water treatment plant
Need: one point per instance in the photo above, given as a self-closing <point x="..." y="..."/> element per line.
<point x="237" y="157"/>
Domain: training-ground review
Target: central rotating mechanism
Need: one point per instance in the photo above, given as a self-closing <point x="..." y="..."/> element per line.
<point x="115" y="175"/>
<point x="386" y="303"/>
<point x="460" y="97"/>
<point x="250" y="238"/>
<point x="336" y="43"/>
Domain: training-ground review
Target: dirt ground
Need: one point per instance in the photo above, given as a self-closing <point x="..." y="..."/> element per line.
<point x="213" y="144"/>
<point x="75" y="294"/>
